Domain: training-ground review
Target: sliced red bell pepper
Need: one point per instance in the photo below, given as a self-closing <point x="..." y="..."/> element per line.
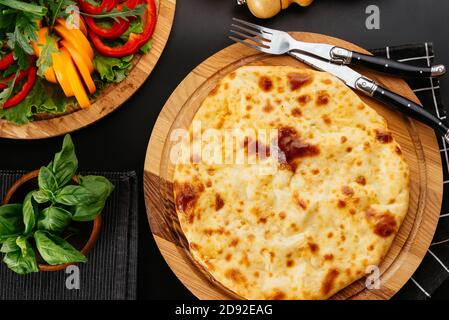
<point x="135" y="41"/>
<point x="105" y="5"/>
<point x="22" y="74"/>
<point x="26" y="88"/>
<point x="6" y="61"/>
<point x="118" y="27"/>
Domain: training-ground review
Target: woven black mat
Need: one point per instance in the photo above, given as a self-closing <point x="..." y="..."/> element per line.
<point x="111" y="270"/>
<point x="434" y="269"/>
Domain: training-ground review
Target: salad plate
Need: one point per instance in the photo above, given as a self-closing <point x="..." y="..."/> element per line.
<point x="83" y="60"/>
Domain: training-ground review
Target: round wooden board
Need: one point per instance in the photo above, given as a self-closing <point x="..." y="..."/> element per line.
<point x="418" y="143"/>
<point x="112" y="97"/>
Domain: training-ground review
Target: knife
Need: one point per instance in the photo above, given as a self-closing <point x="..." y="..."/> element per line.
<point x="355" y="80"/>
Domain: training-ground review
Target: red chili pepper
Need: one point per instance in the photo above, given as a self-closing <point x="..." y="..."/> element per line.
<point x="135" y="41"/>
<point x="105" y="5"/>
<point x="6" y="61"/>
<point x="22" y="74"/>
<point x="26" y="88"/>
<point x="118" y="27"/>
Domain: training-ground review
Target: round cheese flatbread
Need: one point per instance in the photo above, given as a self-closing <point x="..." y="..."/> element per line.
<point x="288" y="186"/>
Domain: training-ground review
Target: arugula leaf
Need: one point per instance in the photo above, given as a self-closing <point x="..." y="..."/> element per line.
<point x="101" y="188"/>
<point x="47" y="180"/>
<point x="9" y="245"/>
<point x="74" y="195"/>
<point x="7" y="92"/>
<point x="43" y="98"/>
<point x="113" y="69"/>
<point x="136" y="26"/>
<point x="54" y="219"/>
<point x="124" y="13"/>
<point x="65" y="163"/>
<point x="45" y="60"/>
<point x="19" y="40"/>
<point x="30" y="212"/>
<point x="11" y="221"/>
<point x="21" y="261"/>
<point x="55" y="250"/>
<point x="57" y="9"/>
<point x="25" y="7"/>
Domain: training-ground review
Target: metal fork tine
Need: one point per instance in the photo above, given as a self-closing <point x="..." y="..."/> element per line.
<point x="248" y="44"/>
<point x="255" y="26"/>
<point x="253" y="32"/>
<point x="249" y="37"/>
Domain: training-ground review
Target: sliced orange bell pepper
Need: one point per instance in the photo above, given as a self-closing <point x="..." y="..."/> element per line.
<point x="82" y="57"/>
<point x="75" y="81"/>
<point x="67" y="35"/>
<point x="83" y="26"/>
<point x="60" y="61"/>
<point x="76" y="37"/>
<point x="38" y="47"/>
<point x="81" y="64"/>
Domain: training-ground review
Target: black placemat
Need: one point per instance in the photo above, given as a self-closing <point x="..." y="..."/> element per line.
<point x="434" y="269"/>
<point x="111" y="270"/>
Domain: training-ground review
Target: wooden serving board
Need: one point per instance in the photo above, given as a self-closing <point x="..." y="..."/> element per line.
<point x="418" y="142"/>
<point x="110" y="99"/>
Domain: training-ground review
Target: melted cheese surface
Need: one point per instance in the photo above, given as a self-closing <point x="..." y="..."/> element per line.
<point x="314" y="225"/>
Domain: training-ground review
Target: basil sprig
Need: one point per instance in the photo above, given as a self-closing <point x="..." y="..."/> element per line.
<point x="48" y="211"/>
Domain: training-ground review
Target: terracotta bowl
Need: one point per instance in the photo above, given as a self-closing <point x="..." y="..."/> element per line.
<point x="89" y="231"/>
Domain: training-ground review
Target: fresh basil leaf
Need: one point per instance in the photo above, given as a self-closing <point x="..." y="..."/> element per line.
<point x="22" y="261"/>
<point x="42" y="196"/>
<point x="65" y="163"/>
<point x="21" y="242"/>
<point x="73" y="195"/>
<point x="11" y="221"/>
<point x="101" y="188"/>
<point x="30" y="212"/>
<point x="88" y="212"/>
<point x="47" y="180"/>
<point x="55" y="250"/>
<point x="9" y="245"/>
<point x="54" y="219"/>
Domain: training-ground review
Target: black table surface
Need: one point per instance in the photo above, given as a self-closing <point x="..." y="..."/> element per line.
<point x="200" y="29"/>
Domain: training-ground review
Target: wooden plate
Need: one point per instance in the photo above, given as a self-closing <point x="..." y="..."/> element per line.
<point x="112" y="97"/>
<point x="418" y="143"/>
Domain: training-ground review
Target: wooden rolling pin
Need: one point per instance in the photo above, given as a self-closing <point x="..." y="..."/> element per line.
<point x="269" y="8"/>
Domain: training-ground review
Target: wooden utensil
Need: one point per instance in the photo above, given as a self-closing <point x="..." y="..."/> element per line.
<point x="418" y="142"/>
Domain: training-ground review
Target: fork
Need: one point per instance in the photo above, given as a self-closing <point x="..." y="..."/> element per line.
<point x="279" y="42"/>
